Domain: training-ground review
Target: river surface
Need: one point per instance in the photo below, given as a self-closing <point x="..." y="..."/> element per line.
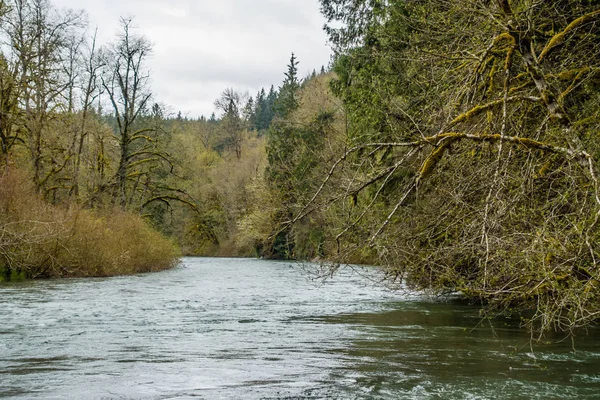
<point x="252" y="329"/>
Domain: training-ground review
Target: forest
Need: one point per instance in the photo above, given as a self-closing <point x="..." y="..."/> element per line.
<point x="454" y="143"/>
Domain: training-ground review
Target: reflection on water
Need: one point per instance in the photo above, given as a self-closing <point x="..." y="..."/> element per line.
<point x="443" y="351"/>
<point x="220" y="329"/>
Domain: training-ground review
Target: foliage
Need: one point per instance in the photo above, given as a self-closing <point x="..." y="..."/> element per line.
<point x="287" y="100"/>
<point x="264" y="110"/>
<point x="209" y="171"/>
<point x="298" y="149"/>
<point x="40" y="240"/>
<point x="52" y="128"/>
<point x="472" y="163"/>
<point x="229" y="104"/>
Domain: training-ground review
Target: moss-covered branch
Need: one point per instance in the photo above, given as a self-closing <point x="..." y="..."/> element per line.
<point x="561" y="36"/>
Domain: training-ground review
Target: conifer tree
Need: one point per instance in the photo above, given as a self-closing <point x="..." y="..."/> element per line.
<point x="270" y="106"/>
<point x="284" y="140"/>
<point x="288" y="92"/>
<point x="261" y="110"/>
<point x="249" y="114"/>
<point x="231" y="121"/>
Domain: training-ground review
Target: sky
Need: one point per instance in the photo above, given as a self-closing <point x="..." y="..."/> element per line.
<point x="202" y="47"/>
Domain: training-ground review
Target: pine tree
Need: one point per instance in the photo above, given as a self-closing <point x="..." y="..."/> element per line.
<point x="271" y="100"/>
<point x="260" y="110"/>
<point x="231" y="121"/>
<point x="284" y="142"/>
<point x="288" y="92"/>
<point x="249" y="114"/>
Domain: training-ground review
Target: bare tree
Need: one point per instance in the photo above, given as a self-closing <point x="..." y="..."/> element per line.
<point x="90" y="93"/>
<point x="126" y="83"/>
<point x="38" y="35"/>
<point x="143" y="163"/>
<point x="9" y="110"/>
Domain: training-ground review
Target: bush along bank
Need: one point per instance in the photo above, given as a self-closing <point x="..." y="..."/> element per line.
<point x="40" y="240"/>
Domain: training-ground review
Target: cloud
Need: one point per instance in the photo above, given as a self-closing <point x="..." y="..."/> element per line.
<point x="202" y="47"/>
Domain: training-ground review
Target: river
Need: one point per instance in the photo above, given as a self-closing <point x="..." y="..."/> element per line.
<point x="253" y="329"/>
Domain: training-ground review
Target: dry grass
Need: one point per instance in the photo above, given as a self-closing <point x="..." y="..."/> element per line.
<point x="40" y="240"/>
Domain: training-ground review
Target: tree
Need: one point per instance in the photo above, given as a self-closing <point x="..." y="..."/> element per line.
<point x="471" y="164"/>
<point x="295" y="143"/>
<point x="259" y="107"/>
<point x="8" y="101"/>
<point x="229" y="104"/>
<point x="145" y="170"/>
<point x="9" y="110"/>
<point x="265" y="108"/>
<point x="38" y="36"/>
<point x="249" y="114"/>
<point x="126" y="84"/>
<point x="350" y="21"/>
<point x="92" y="69"/>
<point x="287" y="100"/>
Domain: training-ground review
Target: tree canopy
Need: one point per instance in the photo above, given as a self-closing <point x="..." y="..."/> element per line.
<point x="473" y="148"/>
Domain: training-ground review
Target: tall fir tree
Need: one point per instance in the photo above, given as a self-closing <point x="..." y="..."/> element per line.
<point x="260" y="112"/>
<point x="270" y="100"/>
<point x="288" y="92"/>
<point x="284" y="143"/>
<point x="249" y="114"/>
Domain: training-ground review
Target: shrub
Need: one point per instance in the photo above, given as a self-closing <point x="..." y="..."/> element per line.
<point x="39" y="240"/>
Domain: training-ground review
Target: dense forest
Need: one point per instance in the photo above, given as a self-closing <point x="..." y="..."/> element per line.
<point x="455" y="143"/>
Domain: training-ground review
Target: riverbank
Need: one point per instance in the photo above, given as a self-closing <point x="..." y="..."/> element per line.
<point x="39" y="240"/>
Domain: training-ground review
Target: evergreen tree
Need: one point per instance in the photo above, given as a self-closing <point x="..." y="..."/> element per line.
<point x="285" y="142"/>
<point x="288" y="92"/>
<point x="231" y="121"/>
<point x="270" y="106"/>
<point x="249" y="114"/>
<point x="260" y="111"/>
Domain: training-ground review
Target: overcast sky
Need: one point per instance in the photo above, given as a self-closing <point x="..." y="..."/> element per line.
<point x="202" y="47"/>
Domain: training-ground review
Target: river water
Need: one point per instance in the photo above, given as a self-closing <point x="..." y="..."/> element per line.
<point x="252" y="329"/>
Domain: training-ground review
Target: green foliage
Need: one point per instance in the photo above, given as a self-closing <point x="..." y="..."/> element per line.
<point x="219" y="165"/>
<point x="287" y="101"/>
<point x="297" y="149"/>
<point x="7" y="275"/>
<point x="264" y="111"/>
<point x="353" y="20"/>
<point x="473" y="163"/>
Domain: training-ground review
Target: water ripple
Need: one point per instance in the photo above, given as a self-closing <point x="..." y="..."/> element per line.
<point x="229" y="329"/>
